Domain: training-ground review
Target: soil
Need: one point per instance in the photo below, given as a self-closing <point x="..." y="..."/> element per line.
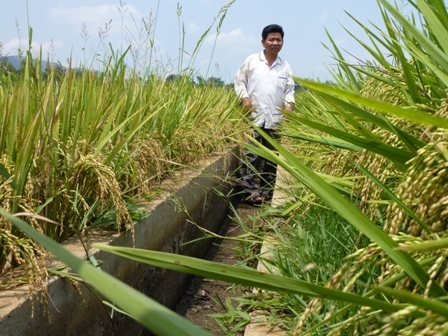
<point x="203" y="295"/>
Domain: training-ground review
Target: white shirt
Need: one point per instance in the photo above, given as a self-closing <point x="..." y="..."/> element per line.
<point x="268" y="88"/>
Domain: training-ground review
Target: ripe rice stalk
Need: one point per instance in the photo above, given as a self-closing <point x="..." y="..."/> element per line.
<point x="397" y="105"/>
<point x="423" y="189"/>
<point x="407" y="298"/>
<point x="413" y="84"/>
<point x="89" y="141"/>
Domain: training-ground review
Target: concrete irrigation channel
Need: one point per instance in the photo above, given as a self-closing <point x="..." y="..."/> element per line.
<point x="166" y="229"/>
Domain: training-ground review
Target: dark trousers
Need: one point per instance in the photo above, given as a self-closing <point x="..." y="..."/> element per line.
<point x="250" y="164"/>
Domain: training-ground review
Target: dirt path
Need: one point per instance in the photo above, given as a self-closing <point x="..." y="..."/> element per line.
<point x="200" y="299"/>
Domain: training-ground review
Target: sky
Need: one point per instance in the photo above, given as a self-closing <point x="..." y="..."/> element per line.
<point x="157" y="30"/>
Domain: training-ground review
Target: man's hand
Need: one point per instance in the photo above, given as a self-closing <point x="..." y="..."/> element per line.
<point x="289" y="108"/>
<point x="247" y="104"/>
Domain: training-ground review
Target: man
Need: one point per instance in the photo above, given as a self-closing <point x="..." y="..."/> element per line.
<point x="265" y="85"/>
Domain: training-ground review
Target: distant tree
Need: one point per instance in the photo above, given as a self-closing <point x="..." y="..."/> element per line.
<point x="7" y="70"/>
<point x="57" y="68"/>
<point x="215" y="81"/>
<point x="298" y="87"/>
<point x="200" y="80"/>
<point x="173" y="78"/>
<point x="6" y="66"/>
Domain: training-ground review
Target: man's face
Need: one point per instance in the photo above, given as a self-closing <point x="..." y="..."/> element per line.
<point x="273" y="43"/>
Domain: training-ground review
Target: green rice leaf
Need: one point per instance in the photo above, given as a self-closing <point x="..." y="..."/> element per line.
<point x="353" y="82"/>
<point x="435" y="25"/>
<point x="346" y="209"/>
<point x="433" y="305"/>
<point x="407" y="113"/>
<point x="244" y="276"/>
<point x="4" y="172"/>
<point x="410" y="141"/>
<point x="334" y="142"/>
<point x="426" y="246"/>
<point x="399" y="156"/>
<point x="438" y="56"/>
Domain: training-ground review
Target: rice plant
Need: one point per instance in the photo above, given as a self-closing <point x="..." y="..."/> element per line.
<point x="385" y="123"/>
<point x="77" y="147"/>
<point x="395" y="115"/>
<point x="383" y="126"/>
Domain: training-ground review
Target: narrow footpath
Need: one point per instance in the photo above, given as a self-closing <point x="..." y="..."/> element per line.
<point x="200" y="299"/>
<point x="203" y="295"/>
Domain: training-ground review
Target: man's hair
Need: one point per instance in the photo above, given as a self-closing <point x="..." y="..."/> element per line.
<point x="272" y="28"/>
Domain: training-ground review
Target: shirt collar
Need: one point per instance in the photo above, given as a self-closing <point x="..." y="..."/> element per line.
<point x="277" y="61"/>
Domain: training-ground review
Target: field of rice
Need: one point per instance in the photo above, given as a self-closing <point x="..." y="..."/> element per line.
<point x="362" y="248"/>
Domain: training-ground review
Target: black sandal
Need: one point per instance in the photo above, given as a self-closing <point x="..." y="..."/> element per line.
<point x="254" y="199"/>
<point x="267" y="195"/>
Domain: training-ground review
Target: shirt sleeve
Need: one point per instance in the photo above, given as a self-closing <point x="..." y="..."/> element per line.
<point x="240" y="82"/>
<point x="289" y="89"/>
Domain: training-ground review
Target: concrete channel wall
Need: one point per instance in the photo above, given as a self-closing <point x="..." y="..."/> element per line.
<point x="166" y="229"/>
